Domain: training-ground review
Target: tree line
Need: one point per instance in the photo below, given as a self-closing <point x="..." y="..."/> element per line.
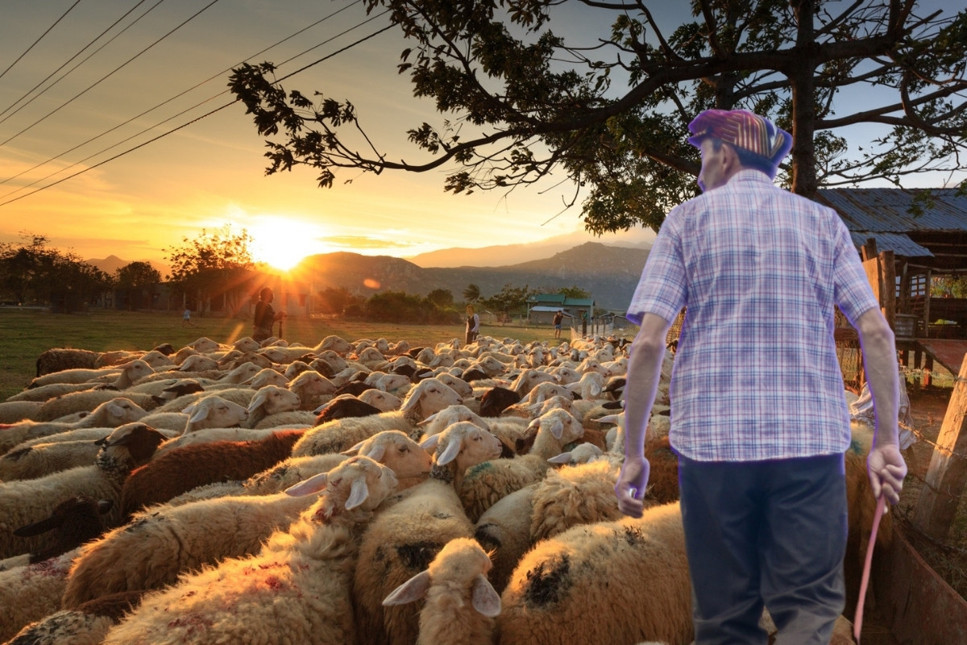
<point x="215" y="272"/>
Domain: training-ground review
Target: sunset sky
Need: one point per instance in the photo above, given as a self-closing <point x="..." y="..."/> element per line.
<point x="164" y="72"/>
<point x="211" y="172"/>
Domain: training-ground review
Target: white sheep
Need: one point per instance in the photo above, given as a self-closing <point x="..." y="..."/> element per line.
<point x="214" y="411"/>
<point x="207" y="435"/>
<point x="296" y="590"/>
<point x="563" y="589"/>
<point x="485" y="483"/>
<point x="16" y="411"/>
<point x="460" y="602"/>
<point x="384" y="401"/>
<point x="313" y="389"/>
<point x="84" y="402"/>
<point x="24" y="502"/>
<point x="424" y="399"/>
<point x="30" y="592"/>
<point x="270" y="400"/>
<point x="43" y="459"/>
<point x="113" y="412"/>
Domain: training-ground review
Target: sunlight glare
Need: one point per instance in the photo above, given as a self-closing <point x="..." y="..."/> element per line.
<point x="282" y="243"/>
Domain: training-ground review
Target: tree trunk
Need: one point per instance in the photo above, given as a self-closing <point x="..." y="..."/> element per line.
<point x="803" y="90"/>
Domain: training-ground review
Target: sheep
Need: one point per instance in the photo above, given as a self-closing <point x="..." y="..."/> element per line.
<point x="345" y="406"/>
<point x="426" y="397"/>
<point x="209" y="435"/>
<point x="460" y="602"/>
<point x="415" y="524"/>
<point x="86" y="625"/>
<point x="563" y="589"/>
<point x="497" y="399"/>
<point x="156" y="546"/>
<point x="214" y="411"/>
<point x="181" y="469"/>
<point x="197" y="363"/>
<point x="23" y="502"/>
<point x="295" y="590"/>
<point x="60" y="359"/>
<point x="401" y="541"/>
<point x="73" y="522"/>
<point x="86" y="401"/>
<point x="485" y="483"/>
<point x="30" y="592"/>
<point x="384" y="401"/>
<point x="43" y="393"/>
<point x="289" y="473"/>
<point x="113" y="412"/>
<point x="16" y="411"/>
<point x="267" y="376"/>
<point x="269" y="400"/>
<point x="44" y="459"/>
<point x="313" y="389"/>
<point x="581" y="494"/>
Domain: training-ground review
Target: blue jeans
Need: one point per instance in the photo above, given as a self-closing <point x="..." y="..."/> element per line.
<point x="767" y="533"/>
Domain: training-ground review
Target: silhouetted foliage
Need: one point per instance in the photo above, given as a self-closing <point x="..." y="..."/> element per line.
<point x="215" y="269"/>
<point x="34" y="273"/>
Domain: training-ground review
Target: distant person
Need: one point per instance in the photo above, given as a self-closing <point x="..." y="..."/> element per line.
<point x="265" y="315"/>
<point x="558" y="319"/>
<point x="186" y="318"/>
<point x="473" y="325"/>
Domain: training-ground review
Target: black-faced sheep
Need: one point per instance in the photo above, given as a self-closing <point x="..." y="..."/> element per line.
<point x="59" y="359"/>
<point x="296" y="590"/>
<point x="460" y="602"/>
<point x="24" y="502"/>
<point x="179" y="470"/>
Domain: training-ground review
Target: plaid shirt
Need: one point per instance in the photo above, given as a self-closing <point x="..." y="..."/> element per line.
<point x="759" y="269"/>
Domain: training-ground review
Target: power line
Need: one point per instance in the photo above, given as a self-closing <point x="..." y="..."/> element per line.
<point x="195" y="120"/>
<point x="109" y="74"/>
<point x="67" y="62"/>
<point x="9" y="67"/>
<point x="169" y="100"/>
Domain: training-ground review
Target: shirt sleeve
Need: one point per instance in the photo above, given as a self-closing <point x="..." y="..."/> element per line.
<point x="662" y="289"/>
<point x="853" y="293"/>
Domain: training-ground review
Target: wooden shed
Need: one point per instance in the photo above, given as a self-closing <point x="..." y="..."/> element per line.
<point x="914" y="235"/>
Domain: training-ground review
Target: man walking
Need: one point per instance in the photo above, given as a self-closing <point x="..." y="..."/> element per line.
<point x="758" y="416"/>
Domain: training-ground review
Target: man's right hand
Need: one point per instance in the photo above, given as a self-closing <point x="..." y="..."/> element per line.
<point x="886" y="469"/>
<point x="631" y="485"/>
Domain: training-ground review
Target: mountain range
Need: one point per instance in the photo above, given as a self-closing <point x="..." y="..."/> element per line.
<point x="609" y="273"/>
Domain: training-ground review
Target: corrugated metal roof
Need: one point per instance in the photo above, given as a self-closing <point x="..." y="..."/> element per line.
<point x="890" y="210"/>
<point x="897" y="242"/>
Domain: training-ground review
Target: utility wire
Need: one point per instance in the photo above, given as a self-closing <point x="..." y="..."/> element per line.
<point x="163" y="103"/>
<point x="109" y="74"/>
<point x="195" y="120"/>
<point x="10" y="66"/>
<point x="68" y="61"/>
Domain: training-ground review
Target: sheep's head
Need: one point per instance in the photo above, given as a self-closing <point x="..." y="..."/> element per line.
<point x="462" y="566"/>
<point x="273" y="399"/>
<point x="380" y="399"/>
<point x="392" y="448"/>
<point x="436" y="422"/>
<point x="127" y="447"/>
<point x="268" y="376"/>
<point x="214" y="412"/>
<point x="359" y="482"/>
<point x="113" y="413"/>
<point x="464" y="444"/>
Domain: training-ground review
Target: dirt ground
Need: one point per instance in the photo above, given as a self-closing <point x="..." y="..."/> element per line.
<point x="928" y="406"/>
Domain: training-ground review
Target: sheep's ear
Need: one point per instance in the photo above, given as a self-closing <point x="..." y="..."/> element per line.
<point x="563" y="458"/>
<point x="557" y="429"/>
<point x="37" y="528"/>
<point x="484" y="597"/>
<point x="376" y="451"/>
<point x="430" y="443"/>
<point x="308" y="486"/>
<point x="358" y="494"/>
<point x="257" y="400"/>
<point x="410" y="591"/>
<point x="355" y="449"/>
<point x="449" y="453"/>
<point x="609" y="418"/>
<point x="197" y="412"/>
<point x="104" y="505"/>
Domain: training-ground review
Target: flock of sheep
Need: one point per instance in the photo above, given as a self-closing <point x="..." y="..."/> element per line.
<point x="367" y="491"/>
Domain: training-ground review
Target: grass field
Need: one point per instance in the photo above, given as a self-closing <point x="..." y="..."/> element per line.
<point x="26" y="333"/>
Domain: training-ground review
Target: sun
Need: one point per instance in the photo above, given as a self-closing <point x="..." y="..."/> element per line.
<point x="282" y="243"/>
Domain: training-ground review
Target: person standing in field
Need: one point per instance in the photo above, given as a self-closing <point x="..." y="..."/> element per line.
<point x="758" y="417"/>
<point x="473" y="325"/>
<point x="558" y="319"/>
<point x="265" y="315"/>
<point x="186" y="318"/>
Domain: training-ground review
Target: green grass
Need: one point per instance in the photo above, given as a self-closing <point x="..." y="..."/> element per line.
<point x="26" y="333"/>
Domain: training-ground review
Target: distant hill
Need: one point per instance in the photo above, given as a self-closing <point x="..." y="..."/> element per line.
<point x="608" y="273"/>
<point x="112" y="263"/>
